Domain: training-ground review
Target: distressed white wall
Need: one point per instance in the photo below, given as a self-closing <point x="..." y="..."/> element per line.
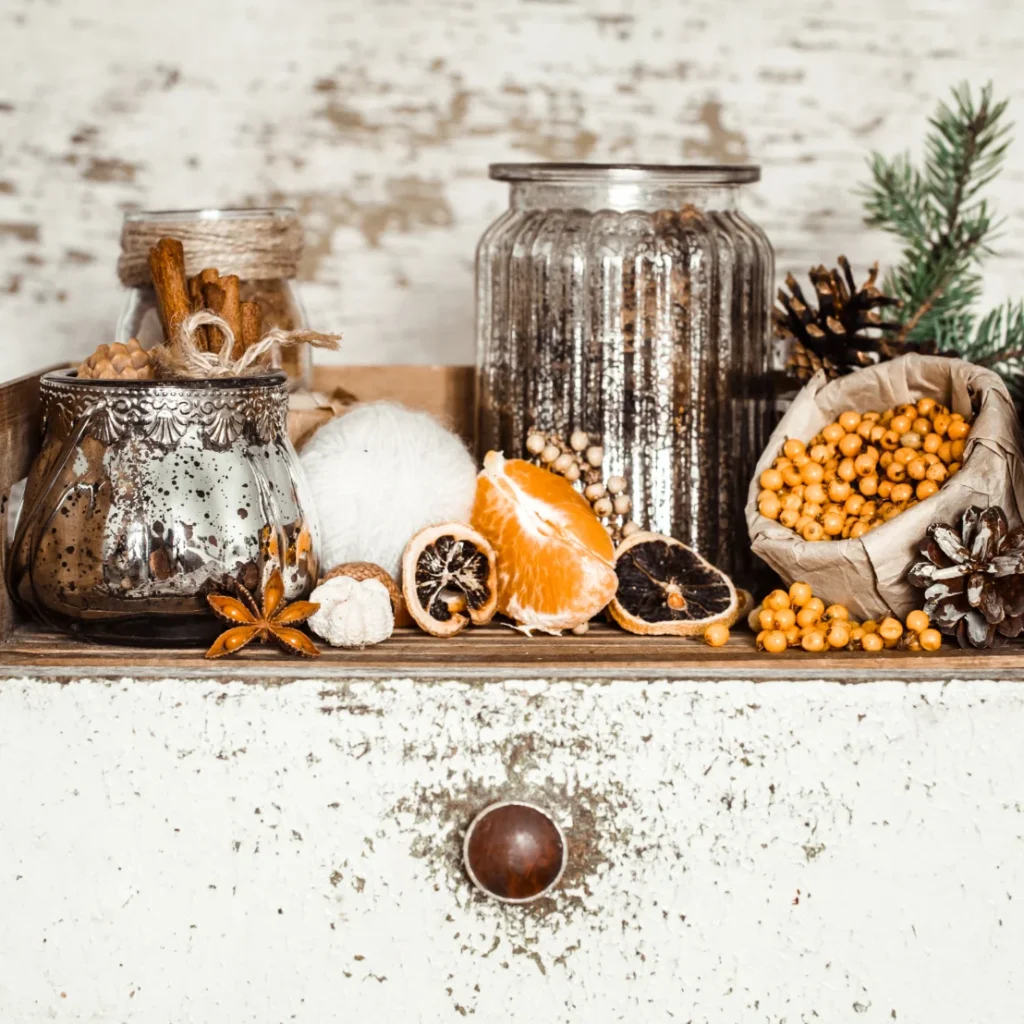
<point x="377" y="120"/>
<point x="188" y="851"/>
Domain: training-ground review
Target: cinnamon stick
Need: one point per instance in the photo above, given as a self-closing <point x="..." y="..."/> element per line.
<point x="213" y="300"/>
<point x="252" y="324"/>
<point x="167" y="268"/>
<point x="195" y="295"/>
<point x="232" y="311"/>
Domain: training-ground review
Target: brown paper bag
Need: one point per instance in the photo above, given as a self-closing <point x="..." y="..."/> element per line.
<point x="867" y="574"/>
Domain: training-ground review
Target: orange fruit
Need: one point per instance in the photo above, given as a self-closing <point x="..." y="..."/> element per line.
<point x="555" y="558"/>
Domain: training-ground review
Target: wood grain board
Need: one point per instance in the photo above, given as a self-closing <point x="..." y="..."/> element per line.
<point x="497" y="653"/>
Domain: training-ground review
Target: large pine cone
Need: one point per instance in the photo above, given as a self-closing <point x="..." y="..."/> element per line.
<point x="846" y="330"/>
<point x="973" y="578"/>
<point x="118" y="362"/>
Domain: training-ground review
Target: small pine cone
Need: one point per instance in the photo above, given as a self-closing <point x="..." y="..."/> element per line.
<point x="129" y="361"/>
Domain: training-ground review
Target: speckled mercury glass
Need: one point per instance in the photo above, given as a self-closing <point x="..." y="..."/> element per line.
<point x="633" y="302"/>
<point x="146" y="495"/>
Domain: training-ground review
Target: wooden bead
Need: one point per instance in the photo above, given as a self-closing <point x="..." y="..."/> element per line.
<point x="514" y="852"/>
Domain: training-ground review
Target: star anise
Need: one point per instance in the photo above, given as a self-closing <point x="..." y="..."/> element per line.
<point x="273" y="622"/>
<point x="973" y="578"/>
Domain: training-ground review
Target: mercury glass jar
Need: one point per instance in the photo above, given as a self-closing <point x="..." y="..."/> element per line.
<point x="633" y="302"/>
<point x="147" y="495"/>
<point x="261" y="246"/>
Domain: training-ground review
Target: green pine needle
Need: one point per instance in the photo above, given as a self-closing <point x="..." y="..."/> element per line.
<point x="947" y="229"/>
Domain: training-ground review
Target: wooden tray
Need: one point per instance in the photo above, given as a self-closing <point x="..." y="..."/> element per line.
<point x="496" y="652"/>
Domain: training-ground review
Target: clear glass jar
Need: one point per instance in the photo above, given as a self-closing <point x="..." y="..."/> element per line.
<point x="633" y="302"/>
<point x="261" y="246"/>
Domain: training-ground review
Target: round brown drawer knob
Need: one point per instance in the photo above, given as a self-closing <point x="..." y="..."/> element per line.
<point x="514" y="852"/>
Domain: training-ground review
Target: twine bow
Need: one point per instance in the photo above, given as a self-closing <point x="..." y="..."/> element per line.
<point x="186" y="359"/>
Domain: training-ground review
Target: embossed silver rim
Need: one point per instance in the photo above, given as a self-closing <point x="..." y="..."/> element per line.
<point x="161" y="411"/>
<point x="681" y="174"/>
<point x="497" y="807"/>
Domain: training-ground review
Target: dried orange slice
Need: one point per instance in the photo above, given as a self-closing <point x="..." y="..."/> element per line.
<point x="666" y="588"/>
<point x="449" y="579"/>
<point x="555" y="559"/>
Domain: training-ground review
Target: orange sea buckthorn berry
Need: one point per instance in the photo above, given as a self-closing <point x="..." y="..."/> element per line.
<point x="868" y="486"/>
<point x="930" y="639"/>
<point x="833" y="433"/>
<point x="850" y="445"/>
<point x="941" y="422"/>
<point x="838" y="635"/>
<point x="777" y="600"/>
<point x="836" y="611"/>
<point x="872" y="642"/>
<point x="916" y="469"/>
<point x="921" y="426"/>
<point x="901" y="424"/>
<point x="890" y="440"/>
<point x="799" y="525"/>
<point x="925" y="489"/>
<point x="937" y="473"/>
<point x="775" y="642"/>
<point x="839" y="490"/>
<point x="717" y="634"/>
<point x="896" y="472"/>
<point x="890" y="629"/>
<point x="832" y="523"/>
<point x="904" y="456"/>
<point x="815" y="493"/>
<point x="791" y="476"/>
<point x="849" y="420"/>
<point x="800" y="594"/>
<point x="813" y="531"/>
<point x="956" y="449"/>
<point x="932" y="443"/>
<point x="885" y="489"/>
<point x="864" y="464"/>
<point x="812" y="473"/>
<point x="917" y="621"/>
<point x="902" y="493"/>
<point x="766" y="618"/>
<point x="819" y="454"/>
<point x="800" y="460"/>
<point x="788" y="517"/>
<point x="770" y="508"/>
<point x="864" y="429"/>
<point x="958" y="430"/>
<point x="771" y="480"/>
<point x="812" y="509"/>
<point x="785" y="618"/>
<point x="813" y="641"/>
<point x="847" y="470"/>
<point x="926" y="406"/>
<point x="793" y="447"/>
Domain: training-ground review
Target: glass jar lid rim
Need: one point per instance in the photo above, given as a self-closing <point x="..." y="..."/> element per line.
<point x="212" y="213"/>
<point x="683" y="174"/>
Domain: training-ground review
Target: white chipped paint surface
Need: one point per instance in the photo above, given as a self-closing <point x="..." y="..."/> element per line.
<point x="377" y="120"/>
<point x="180" y="851"/>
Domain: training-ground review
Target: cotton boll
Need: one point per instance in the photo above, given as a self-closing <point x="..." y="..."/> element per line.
<point x="380" y="474"/>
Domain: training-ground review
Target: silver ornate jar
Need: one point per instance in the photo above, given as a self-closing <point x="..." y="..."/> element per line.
<point x="147" y="495"/>
<point x="633" y="302"/>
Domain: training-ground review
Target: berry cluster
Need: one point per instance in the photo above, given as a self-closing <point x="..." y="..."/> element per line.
<point x="579" y="461"/>
<point x="799" y="619"/>
<point x="863" y="470"/>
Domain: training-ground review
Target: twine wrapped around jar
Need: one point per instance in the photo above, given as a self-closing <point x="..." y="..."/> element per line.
<point x="185" y="359"/>
<point x="253" y="244"/>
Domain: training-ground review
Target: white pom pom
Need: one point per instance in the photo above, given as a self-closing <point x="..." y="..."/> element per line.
<point x="380" y="474"/>
<point x="352" y="613"/>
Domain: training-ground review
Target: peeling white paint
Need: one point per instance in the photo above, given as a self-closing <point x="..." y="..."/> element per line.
<point x="377" y="120"/>
<point x="184" y="850"/>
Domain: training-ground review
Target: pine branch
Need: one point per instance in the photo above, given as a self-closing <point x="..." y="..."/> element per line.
<point x="945" y="227"/>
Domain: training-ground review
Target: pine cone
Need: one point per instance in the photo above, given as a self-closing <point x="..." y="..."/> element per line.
<point x="845" y="332"/>
<point x="118" y="362"/>
<point x="973" y="578"/>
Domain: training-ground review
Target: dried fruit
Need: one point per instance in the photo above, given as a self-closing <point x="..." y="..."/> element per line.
<point x="666" y="588"/>
<point x="449" y="579"/>
<point x="273" y="621"/>
<point x="973" y="578"/>
<point x="555" y="558"/>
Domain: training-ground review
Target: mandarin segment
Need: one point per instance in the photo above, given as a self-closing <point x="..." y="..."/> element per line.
<point x="554" y="556"/>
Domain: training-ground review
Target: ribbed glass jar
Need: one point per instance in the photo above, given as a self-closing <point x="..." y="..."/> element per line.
<point x="633" y="302"/>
